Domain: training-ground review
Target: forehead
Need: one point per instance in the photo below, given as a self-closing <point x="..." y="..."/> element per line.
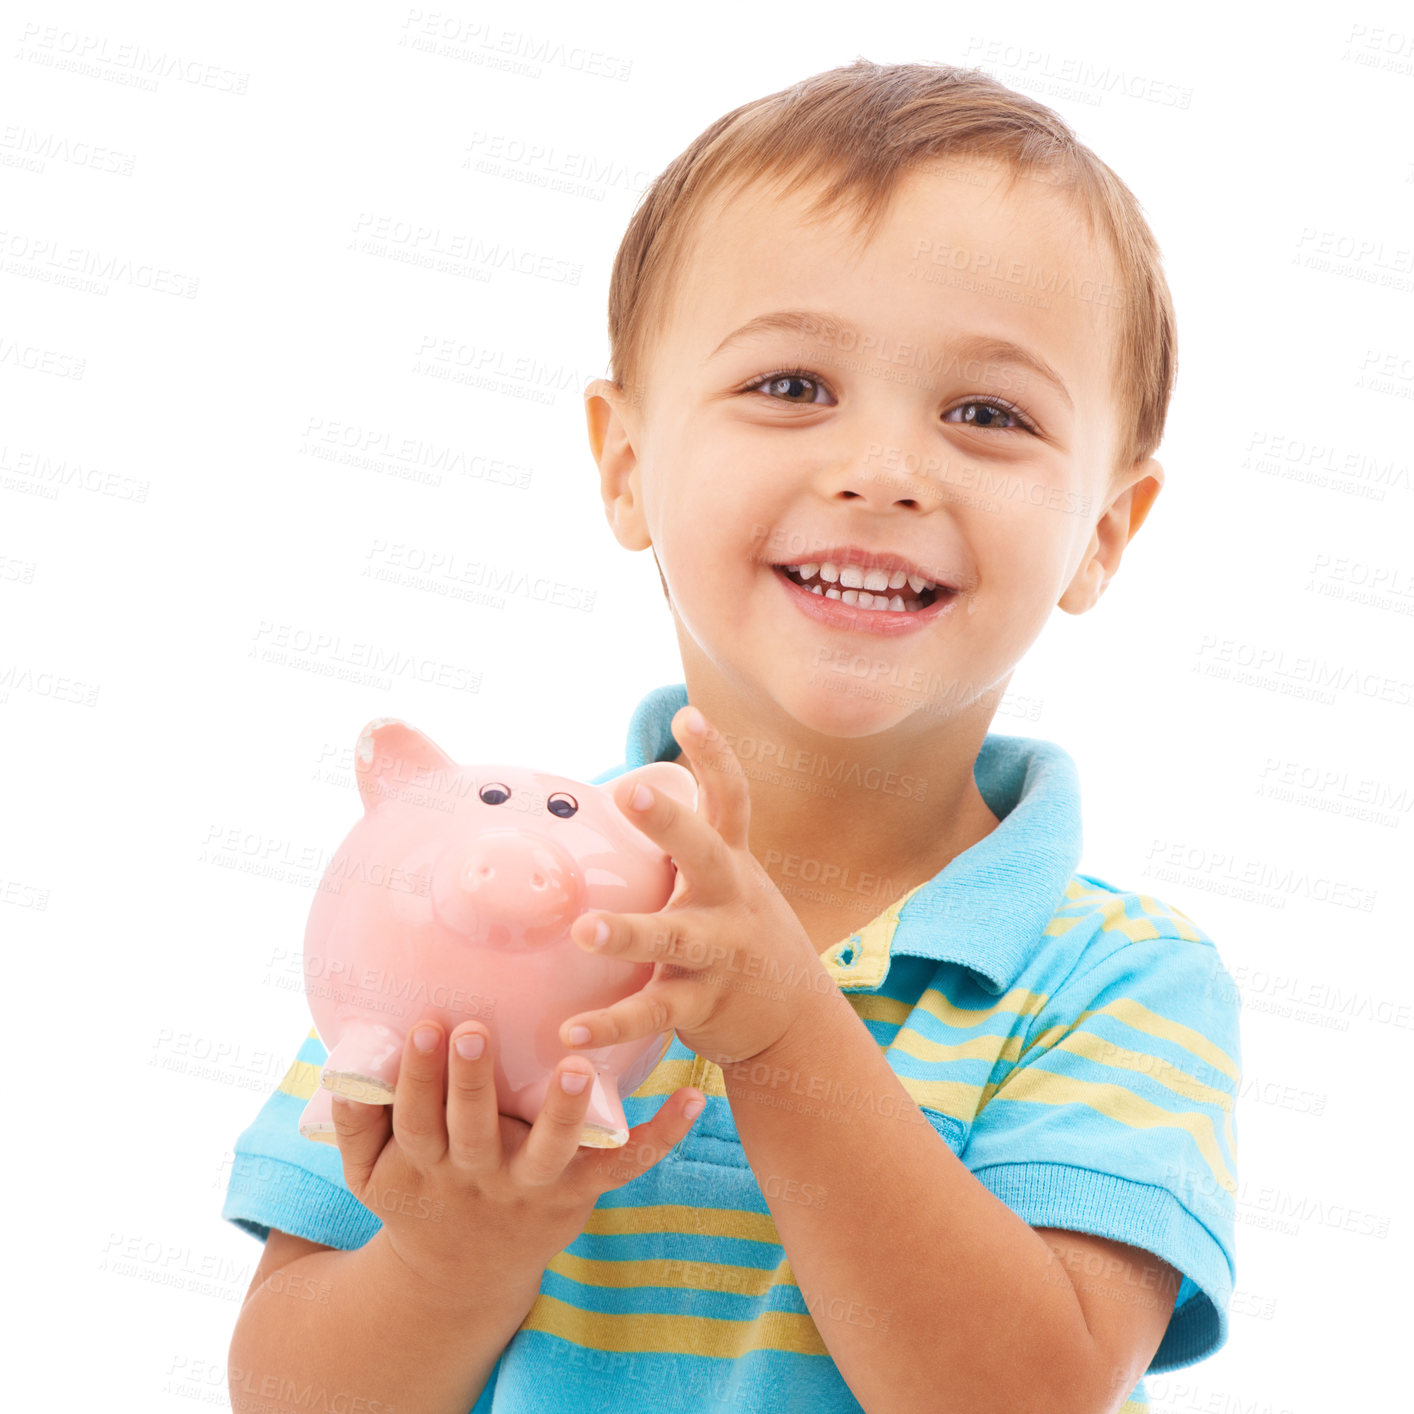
<point x="959" y="254"/>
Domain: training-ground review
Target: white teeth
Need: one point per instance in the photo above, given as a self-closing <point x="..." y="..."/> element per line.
<point x="863" y="599"/>
<point x="853" y="577"/>
<point x="863" y="588"/>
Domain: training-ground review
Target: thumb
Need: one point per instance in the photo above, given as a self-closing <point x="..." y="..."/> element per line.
<point x="361" y="1131"/>
<point x="647" y="1143"/>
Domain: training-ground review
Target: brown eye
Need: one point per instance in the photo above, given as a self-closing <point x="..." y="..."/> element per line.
<point x="494" y="794"/>
<point x="780" y="386"/>
<point x="989" y="412"/>
<point x="562" y="805"/>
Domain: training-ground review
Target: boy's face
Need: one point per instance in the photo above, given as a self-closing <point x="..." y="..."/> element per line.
<point x="887" y="438"/>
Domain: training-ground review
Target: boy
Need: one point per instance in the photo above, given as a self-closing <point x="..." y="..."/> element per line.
<point x="891" y="353"/>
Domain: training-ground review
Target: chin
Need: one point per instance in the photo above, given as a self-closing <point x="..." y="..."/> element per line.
<point x="835" y="704"/>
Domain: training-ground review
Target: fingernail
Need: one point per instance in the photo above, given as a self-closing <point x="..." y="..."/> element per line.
<point x="424" y="1038"/>
<point x="641" y="798"/>
<point x="694" y="721"/>
<point x="572" y="1082"/>
<point x="471" y="1046"/>
<point x="601" y="933"/>
<point x="578" y="1035"/>
<point x="693" y="1109"/>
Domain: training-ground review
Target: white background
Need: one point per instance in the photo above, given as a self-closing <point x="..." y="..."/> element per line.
<point x="164" y="518"/>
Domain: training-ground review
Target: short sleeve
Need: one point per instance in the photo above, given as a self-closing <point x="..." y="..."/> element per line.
<point x="1117" y="1120"/>
<point x="282" y="1180"/>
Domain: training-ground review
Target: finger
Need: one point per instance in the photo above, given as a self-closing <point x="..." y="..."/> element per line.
<point x="644" y="937"/>
<point x="684" y="834"/>
<point x="723" y="791"/>
<point x="419" y="1106"/>
<point x="473" y="1124"/>
<point x="361" y="1132"/>
<point x="554" y="1137"/>
<point x="648" y="1142"/>
<point x="649" y="1012"/>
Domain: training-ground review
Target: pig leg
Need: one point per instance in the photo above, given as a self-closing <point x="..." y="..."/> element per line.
<point x="605" y="1125"/>
<point x="317" y="1121"/>
<point x="364" y="1063"/>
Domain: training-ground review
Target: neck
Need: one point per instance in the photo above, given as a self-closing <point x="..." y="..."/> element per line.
<point x="843" y="826"/>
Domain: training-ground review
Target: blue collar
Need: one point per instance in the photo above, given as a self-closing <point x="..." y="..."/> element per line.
<point x="988" y="909"/>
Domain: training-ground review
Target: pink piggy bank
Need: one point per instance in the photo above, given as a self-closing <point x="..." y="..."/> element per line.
<point x="452" y="897"/>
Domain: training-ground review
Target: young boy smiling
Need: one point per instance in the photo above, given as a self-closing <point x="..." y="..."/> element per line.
<point x="968" y="1135"/>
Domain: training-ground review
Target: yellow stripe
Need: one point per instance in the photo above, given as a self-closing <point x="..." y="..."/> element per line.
<point x="962" y="1100"/>
<point x="1110" y="904"/>
<point x="1162" y="1072"/>
<point x="1062" y="923"/>
<point x="1183" y="925"/>
<point x="1075" y="890"/>
<point x="1079" y="896"/>
<point x="1118" y="1103"/>
<point x="673" y="1273"/>
<point x="301" y="1080"/>
<point x="1137" y="1015"/>
<point x="672" y="1334"/>
<point x="951" y="1097"/>
<point x="988" y="1048"/>
<point x="670" y="1075"/>
<point x="1019" y="1001"/>
<point x="680" y="1218"/>
<point x="870" y="947"/>
<point x="1115" y="920"/>
<point x="1165" y="1073"/>
<point x="889" y="1010"/>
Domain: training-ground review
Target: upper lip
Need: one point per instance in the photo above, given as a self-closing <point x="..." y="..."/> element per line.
<point x="873" y="560"/>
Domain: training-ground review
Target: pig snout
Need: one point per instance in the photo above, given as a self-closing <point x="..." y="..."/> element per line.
<point x="506" y="886"/>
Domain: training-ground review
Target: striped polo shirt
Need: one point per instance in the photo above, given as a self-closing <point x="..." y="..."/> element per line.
<point x="1074" y="1044"/>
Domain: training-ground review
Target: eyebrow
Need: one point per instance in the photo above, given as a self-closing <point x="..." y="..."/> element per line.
<point x="981" y="347"/>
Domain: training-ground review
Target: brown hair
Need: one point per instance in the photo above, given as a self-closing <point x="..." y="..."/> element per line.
<point x="854" y="131"/>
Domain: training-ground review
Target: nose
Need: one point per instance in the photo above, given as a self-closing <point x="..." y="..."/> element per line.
<point x="508" y="885"/>
<point x="884" y="475"/>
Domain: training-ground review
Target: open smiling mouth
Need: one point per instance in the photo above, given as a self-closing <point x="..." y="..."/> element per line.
<point x="880" y="591"/>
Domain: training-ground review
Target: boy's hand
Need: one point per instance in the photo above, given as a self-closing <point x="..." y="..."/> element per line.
<point x="735" y="968"/>
<point x="464" y="1191"/>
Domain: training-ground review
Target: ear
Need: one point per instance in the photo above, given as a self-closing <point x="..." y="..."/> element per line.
<point x="391" y="756"/>
<point x="665" y="776"/>
<point x="1131" y="499"/>
<point x="612" y="429"/>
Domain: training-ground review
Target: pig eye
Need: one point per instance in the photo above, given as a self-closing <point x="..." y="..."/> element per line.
<point x="562" y="805"/>
<point x="494" y="794"/>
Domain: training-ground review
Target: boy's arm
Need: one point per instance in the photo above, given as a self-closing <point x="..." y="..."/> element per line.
<point x="989" y="1319"/>
<point x="1126" y="1294"/>
<point x="361" y="1331"/>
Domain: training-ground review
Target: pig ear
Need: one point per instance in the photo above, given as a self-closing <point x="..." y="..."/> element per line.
<point x="667" y="776"/>
<point x="389" y="758"/>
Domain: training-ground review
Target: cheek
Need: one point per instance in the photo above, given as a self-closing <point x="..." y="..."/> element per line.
<point x="1038" y="541"/>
